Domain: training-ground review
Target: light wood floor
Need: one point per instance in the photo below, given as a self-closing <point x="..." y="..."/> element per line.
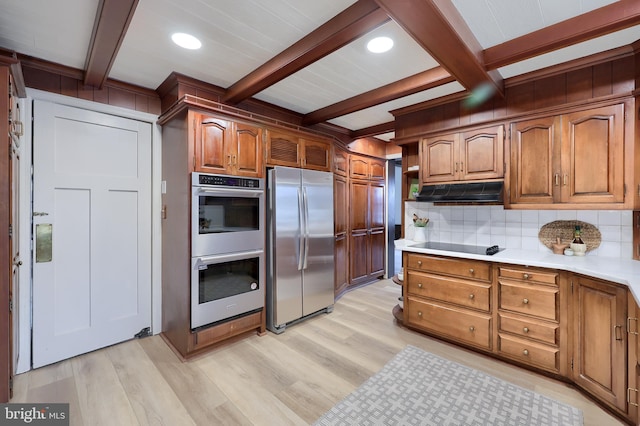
<point x="291" y="378"/>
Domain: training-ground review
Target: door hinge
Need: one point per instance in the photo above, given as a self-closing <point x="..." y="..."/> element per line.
<point x="10" y="230"/>
<point x="629" y="319"/>
<point x="11" y="305"/>
<point x="145" y="332"/>
<point x="629" y="390"/>
<point x="11" y="386"/>
<point x="571" y="286"/>
<point x="571" y="364"/>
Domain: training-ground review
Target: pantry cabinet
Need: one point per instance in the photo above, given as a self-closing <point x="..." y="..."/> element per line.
<point x="225" y="147"/>
<point x="294" y="150"/>
<point x="573" y="159"/>
<point x="475" y="154"/>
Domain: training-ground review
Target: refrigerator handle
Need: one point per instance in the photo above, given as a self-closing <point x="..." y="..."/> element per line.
<point x="305" y="202"/>
<point x="301" y="230"/>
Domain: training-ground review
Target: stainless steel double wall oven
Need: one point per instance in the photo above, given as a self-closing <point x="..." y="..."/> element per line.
<point x="227" y="246"/>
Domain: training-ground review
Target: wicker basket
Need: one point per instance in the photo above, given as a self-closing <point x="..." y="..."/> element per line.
<point x="565" y="230"/>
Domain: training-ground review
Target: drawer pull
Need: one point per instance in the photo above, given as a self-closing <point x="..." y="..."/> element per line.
<point x="419" y="285"/>
<point x="471" y="271"/>
<point x="526" y="329"/>
<point x="525" y="352"/>
<point x="472" y="296"/>
<point x="525" y="301"/>
<point x="420" y="313"/>
<point x="419" y="262"/>
<point x="472" y="329"/>
<point x="526" y="276"/>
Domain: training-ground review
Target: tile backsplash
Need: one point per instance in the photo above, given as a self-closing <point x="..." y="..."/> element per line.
<point x="518" y="229"/>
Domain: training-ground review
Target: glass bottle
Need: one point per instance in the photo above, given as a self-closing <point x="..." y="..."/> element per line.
<point x="576" y="236"/>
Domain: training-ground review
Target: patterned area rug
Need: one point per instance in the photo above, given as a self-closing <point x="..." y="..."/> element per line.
<point x="419" y="388"/>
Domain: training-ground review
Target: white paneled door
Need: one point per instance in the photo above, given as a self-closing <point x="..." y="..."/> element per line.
<point x="92" y="230"/>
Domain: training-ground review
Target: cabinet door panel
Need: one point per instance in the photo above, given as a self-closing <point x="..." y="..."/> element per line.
<point x="376" y="169"/>
<point x="317" y="155"/>
<point x="376" y="250"/>
<point x="359" y="205"/>
<point x="212" y="145"/>
<point x="340" y="208"/>
<point x="482" y="154"/>
<point x="248" y="160"/>
<point x="593" y="155"/>
<point x="376" y="205"/>
<point x="358" y="167"/>
<point x="600" y="312"/>
<point x="283" y="149"/>
<point x="440" y="158"/>
<point x="533" y="151"/>
<point x="341" y="263"/>
<point x="358" y="257"/>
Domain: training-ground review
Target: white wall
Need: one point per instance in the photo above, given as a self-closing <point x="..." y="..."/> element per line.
<point x="518" y="229"/>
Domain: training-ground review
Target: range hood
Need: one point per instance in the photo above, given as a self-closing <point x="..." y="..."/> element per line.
<point x="483" y="192"/>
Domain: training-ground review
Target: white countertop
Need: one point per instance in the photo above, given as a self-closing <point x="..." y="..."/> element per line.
<point x="621" y="271"/>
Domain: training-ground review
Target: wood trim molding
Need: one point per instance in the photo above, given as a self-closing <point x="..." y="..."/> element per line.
<point x="378" y="129"/>
<point x="438" y="27"/>
<point x="614" y="17"/>
<point x="112" y="21"/>
<point x="408" y="86"/>
<point x="352" y="23"/>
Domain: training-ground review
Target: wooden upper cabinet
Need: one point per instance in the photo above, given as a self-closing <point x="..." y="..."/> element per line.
<point x="246" y="150"/>
<point x="472" y="155"/>
<point x="340" y="162"/>
<point x="593" y="155"/>
<point x="316" y="155"/>
<point x="226" y="147"/>
<point x="289" y="149"/>
<point x="575" y="158"/>
<point x="366" y="168"/>
<point x="534" y="150"/>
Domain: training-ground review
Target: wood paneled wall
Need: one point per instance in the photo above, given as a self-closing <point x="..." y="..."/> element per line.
<point x="524" y="97"/>
<point x="67" y="81"/>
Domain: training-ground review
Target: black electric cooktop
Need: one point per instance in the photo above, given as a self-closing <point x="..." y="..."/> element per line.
<point x="461" y="248"/>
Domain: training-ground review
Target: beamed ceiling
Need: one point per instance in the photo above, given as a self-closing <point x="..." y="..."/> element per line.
<point x="309" y="56"/>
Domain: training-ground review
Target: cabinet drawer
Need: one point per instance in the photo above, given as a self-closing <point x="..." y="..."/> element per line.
<point x="471" y="269"/>
<point x="459" y="324"/>
<point x="453" y="290"/>
<point x="536" y="354"/>
<point x="544" y="332"/>
<point x="529" y="275"/>
<point x="536" y="300"/>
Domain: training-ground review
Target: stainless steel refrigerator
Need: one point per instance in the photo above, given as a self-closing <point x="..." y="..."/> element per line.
<point x="300" y="272"/>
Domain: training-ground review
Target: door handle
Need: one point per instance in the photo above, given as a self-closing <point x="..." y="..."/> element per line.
<point x="557" y="178"/>
<point x="564" y="179"/>
<point x="40" y="214"/>
<point x="305" y="203"/>
<point x="301" y="238"/>
<point x="462" y="166"/>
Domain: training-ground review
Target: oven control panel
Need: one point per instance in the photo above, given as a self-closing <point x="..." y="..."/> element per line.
<point x="226" y="181"/>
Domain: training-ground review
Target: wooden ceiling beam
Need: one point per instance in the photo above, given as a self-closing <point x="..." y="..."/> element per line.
<point x="437" y="26"/>
<point x="605" y="20"/>
<point x="398" y="89"/>
<point x="371" y="131"/>
<point x="352" y="23"/>
<point x="112" y="21"/>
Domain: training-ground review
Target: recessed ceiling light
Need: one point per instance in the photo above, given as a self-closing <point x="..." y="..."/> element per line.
<point x="186" y="40"/>
<point x="380" y="44"/>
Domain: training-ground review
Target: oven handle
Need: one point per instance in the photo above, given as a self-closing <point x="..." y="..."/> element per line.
<point x="302" y="226"/>
<point x="246" y="193"/>
<point x="202" y="262"/>
<point x="305" y="203"/>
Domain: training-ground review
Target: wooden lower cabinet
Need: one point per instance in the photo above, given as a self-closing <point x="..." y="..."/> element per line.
<point x="600" y="340"/>
<point x="566" y="325"/>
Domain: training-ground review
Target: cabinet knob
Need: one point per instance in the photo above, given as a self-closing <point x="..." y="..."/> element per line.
<point x="526" y="276"/>
<point x="419" y="313"/>
<point x="419" y="285"/>
<point x="419" y="262"/>
<point x="471" y="271"/>
<point x="525" y="301"/>
<point x="525" y="352"/>
<point x="472" y="296"/>
<point x="472" y="329"/>
<point x="526" y="329"/>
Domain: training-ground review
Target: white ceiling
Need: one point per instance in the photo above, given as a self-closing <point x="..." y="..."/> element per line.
<point x="238" y="36"/>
